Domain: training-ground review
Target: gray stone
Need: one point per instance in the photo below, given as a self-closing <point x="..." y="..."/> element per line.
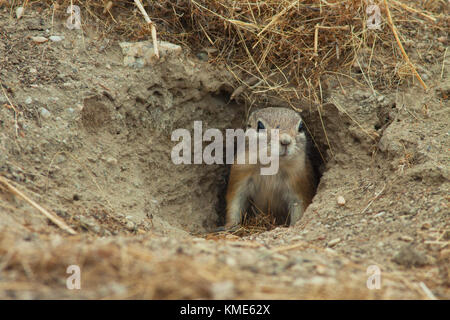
<point x="408" y="256"/>
<point x="44" y="113"/>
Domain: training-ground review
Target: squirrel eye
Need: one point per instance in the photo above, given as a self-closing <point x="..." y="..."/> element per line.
<point x="260" y="126"/>
<point x="301" y="128"/>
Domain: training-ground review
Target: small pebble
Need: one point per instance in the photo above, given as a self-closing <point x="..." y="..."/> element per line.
<point x="321" y="269"/>
<point x="334" y="242"/>
<point x="379" y="214"/>
<point x="130" y="225"/>
<point x="39" y="39"/>
<point x="202" y="56"/>
<point x="111" y="161"/>
<point x="406" y="238"/>
<point x="341" y="201"/>
<point x="44" y="113"/>
<point x="426" y="226"/>
<point x="28" y="100"/>
<point x="60" y="159"/>
<point x="56" y="38"/>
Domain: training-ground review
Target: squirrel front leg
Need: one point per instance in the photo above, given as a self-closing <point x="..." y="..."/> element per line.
<point x="237" y="197"/>
<point x="295" y="211"/>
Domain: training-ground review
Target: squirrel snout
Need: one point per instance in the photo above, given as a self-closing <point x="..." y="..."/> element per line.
<point x="285" y="139"/>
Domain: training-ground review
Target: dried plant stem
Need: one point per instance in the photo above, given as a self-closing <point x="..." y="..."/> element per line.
<point x="53" y="218"/>
<point x="427" y="291"/>
<point x="16" y="112"/>
<point x="333" y="27"/>
<point x="277" y="16"/>
<point x="405" y="56"/>
<point x="377" y="195"/>
<point x="316" y="40"/>
<point x="152" y="26"/>
<point x="341" y="109"/>
<point x="404" y="6"/>
<point x="443" y="64"/>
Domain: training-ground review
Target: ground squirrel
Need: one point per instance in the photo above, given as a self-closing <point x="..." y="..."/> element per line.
<point x="285" y="194"/>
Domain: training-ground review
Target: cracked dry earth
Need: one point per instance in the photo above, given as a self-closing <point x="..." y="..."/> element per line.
<point x="89" y="139"/>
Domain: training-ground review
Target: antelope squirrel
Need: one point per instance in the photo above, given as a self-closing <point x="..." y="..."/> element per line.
<point x="285" y="194"/>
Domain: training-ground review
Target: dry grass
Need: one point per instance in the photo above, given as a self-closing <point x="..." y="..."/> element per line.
<point x="127" y="268"/>
<point x="282" y="47"/>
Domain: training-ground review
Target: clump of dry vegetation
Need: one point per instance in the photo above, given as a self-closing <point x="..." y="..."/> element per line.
<point x="280" y="48"/>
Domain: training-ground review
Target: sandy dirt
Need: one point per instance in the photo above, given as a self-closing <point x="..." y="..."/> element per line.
<point x="89" y="139"/>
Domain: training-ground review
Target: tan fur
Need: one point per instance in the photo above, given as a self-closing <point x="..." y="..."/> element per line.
<point x="285" y="194"/>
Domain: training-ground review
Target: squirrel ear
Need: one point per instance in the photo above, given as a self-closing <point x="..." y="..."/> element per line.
<point x="260" y="126"/>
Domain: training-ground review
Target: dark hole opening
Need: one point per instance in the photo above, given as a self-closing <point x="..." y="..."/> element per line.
<point x="252" y="219"/>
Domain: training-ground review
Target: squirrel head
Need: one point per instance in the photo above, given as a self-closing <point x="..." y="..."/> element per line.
<point x="292" y="135"/>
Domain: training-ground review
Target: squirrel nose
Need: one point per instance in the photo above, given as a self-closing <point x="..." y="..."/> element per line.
<point x="285" y="140"/>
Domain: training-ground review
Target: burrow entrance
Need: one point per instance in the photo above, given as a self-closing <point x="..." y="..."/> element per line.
<point x="116" y="157"/>
<point x="190" y="197"/>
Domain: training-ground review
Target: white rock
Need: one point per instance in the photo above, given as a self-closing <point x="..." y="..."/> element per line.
<point x="111" y="161"/>
<point x="341" y="200"/>
<point x="56" y="38"/>
<point x="28" y="100"/>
